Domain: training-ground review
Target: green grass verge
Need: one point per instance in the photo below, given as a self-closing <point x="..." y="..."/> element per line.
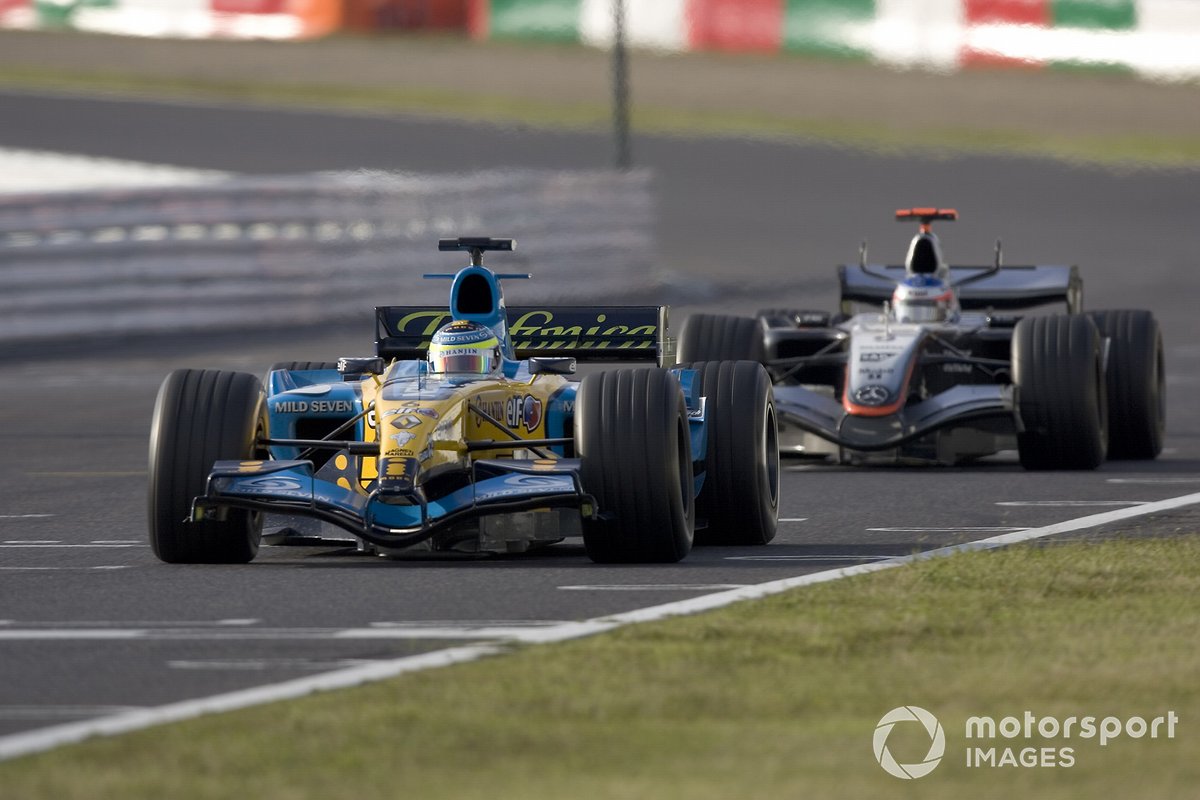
<point x="1149" y="150"/>
<point x="774" y="699"/>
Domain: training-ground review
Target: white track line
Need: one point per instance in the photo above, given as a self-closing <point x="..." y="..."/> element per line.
<point x="20" y="744"/>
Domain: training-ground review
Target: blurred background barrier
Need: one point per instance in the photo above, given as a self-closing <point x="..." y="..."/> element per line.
<point x="1155" y="38"/>
<point x="291" y="251"/>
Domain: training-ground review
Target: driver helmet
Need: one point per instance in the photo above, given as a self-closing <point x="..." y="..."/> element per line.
<point x="924" y="298"/>
<point x="464" y="347"/>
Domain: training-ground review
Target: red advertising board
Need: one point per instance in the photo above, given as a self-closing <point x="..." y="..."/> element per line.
<point x="735" y="25"/>
<point x="1027" y="13"/>
<point x="250" y="6"/>
<point x="1007" y="12"/>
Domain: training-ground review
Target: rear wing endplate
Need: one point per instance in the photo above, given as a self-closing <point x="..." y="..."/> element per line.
<point x="588" y="333"/>
<point x="1013" y="287"/>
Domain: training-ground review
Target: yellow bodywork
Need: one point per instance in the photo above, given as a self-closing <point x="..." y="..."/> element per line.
<point x="423" y="423"/>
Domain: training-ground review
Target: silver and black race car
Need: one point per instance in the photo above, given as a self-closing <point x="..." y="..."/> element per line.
<point x="953" y="363"/>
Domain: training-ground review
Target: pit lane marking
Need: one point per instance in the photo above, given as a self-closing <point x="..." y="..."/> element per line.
<point x="652" y="587"/>
<point x="958" y="529"/>
<point x="1154" y="480"/>
<point x="793" y="519"/>
<point x="259" y="664"/>
<point x="1073" y="503"/>
<point x="60" y="712"/>
<point x="155" y="631"/>
<point x="138" y="623"/>
<point x="61" y="545"/>
<point x="43" y="739"/>
<point x="25" y="516"/>
<point x="61" y="569"/>
<point x="112" y="474"/>
<point x="808" y="557"/>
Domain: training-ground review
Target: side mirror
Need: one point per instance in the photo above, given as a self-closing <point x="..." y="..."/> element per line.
<point x="353" y="367"/>
<point x="559" y="365"/>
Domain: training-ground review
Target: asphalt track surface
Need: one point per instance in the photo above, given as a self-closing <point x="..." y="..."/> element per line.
<point x="91" y="623"/>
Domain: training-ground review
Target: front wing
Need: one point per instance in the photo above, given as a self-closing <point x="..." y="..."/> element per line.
<point x="825" y="417"/>
<point x="290" y="487"/>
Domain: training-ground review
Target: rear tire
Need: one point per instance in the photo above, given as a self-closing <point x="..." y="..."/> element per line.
<point x="1059" y="380"/>
<point x="740" y="496"/>
<point x="719" y="337"/>
<point x="202" y="416"/>
<point x="631" y="433"/>
<point x="1135" y="383"/>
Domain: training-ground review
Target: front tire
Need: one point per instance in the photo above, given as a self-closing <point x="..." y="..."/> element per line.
<point x="202" y="416"/>
<point x="1060" y="392"/>
<point x="1136" y="383"/>
<point x="740" y="496"/>
<point x="631" y="433"/>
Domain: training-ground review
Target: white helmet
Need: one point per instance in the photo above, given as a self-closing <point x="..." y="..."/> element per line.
<point x="924" y="298"/>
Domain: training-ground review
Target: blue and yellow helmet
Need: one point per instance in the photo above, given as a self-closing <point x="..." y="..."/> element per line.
<point x="464" y="348"/>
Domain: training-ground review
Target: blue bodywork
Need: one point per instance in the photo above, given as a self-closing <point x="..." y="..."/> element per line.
<point x="291" y="484"/>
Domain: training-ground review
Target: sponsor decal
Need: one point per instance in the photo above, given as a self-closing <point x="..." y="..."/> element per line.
<point x="538" y="328"/>
<point x="312" y="406"/>
<point x="402" y="438"/>
<point x="875" y="356"/>
<point x="272" y="483"/>
<point x="412" y="407"/>
<point x="407" y="421"/>
<point x="963" y="369"/>
<point x="493" y="408"/>
<point x="397" y="473"/>
<point x="872" y="395"/>
<point x="534" y="480"/>
<point x="279" y="485"/>
<point x="530" y="485"/>
<point x="526" y="411"/>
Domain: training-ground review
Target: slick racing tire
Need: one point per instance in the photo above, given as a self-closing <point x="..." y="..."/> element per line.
<point x="1059" y="379"/>
<point x="202" y="416"/>
<point x="631" y="434"/>
<point x="1136" y="383"/>
<point x="739" y="500"/>
<point x="719" y="337"/>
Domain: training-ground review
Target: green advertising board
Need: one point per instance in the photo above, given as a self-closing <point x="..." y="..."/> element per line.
<point x="818" y="26"/>
<point x="553" y="20"/>
<point x="1117" y="15"/>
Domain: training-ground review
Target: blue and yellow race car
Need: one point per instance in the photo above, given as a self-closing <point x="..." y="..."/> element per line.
<point x="466" y="433"/>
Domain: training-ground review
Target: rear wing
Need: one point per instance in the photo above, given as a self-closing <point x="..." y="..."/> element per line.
<point x="588" y="333"/>
<point x="1012" y="287"/>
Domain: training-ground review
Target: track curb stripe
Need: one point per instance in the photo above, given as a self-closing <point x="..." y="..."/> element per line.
<point x="48" y="738"/>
